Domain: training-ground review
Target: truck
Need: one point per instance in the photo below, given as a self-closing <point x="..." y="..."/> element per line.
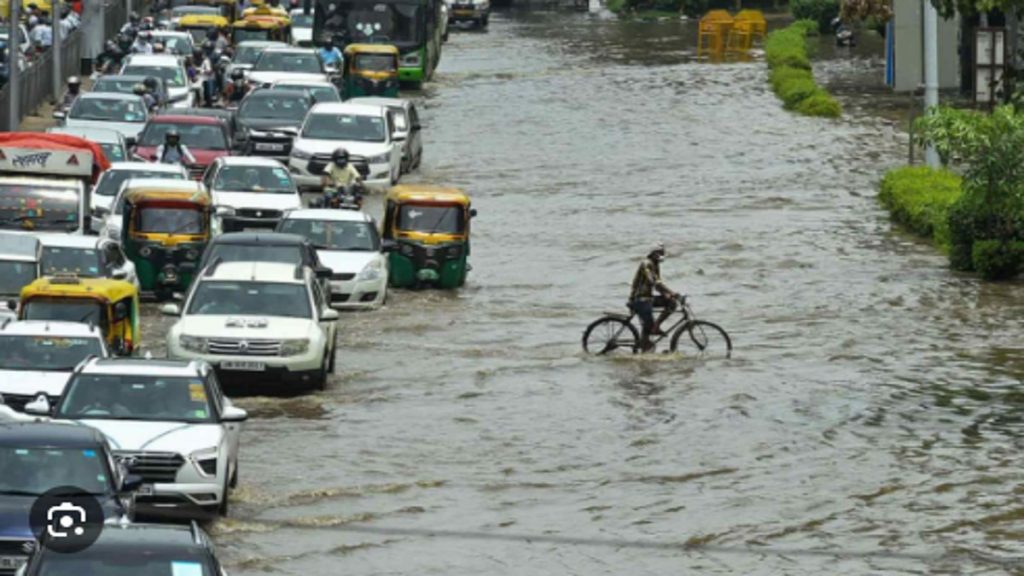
<point x="45" y="181"/>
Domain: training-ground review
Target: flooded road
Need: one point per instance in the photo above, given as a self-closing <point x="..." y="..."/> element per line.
<point x="868" y="422"/>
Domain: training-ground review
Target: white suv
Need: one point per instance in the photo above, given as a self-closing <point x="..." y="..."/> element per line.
<point x="254" y="319"/>
<point x="167" y="422"/>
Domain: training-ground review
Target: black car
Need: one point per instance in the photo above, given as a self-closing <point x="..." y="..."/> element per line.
<point x="265" y="247"/>
<point x="36" y="457"/>
<point x="135" y="550"/>
<point x="269" y="120"/>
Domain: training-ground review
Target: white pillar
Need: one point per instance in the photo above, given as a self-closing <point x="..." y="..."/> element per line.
<point x="58" y="41"/>
<point x="931" y="71"/>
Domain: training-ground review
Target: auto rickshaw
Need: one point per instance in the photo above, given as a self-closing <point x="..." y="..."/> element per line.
<point x="260" y="27"/>
<point x="164" y="232"/>
<point x="427" y="228"/>
<point x="228" y="8"/>
<point x="371" y="70"/>
<point x="197" y="25"/>
<point x="111" y="305"/>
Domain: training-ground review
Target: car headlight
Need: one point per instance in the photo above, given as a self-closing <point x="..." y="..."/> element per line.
<point x="192" y="343"/>
<point x="379" y="158"/>
<point x="301" y="154"/>
<point x="371" y="272"/>
<point x="294" y="347"/>
<point x="411" y="59"/>
<point x="205" y="461"/>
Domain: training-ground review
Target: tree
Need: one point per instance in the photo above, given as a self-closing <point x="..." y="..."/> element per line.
<point x="948" y="8"/>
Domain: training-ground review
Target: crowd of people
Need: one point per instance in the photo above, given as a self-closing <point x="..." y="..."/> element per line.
<point x="36" y="35"/>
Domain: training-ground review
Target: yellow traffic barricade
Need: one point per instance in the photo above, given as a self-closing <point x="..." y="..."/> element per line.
<point x="755" y="18"/>
<point x="713" y="33"/>
<point x="740" y="40"/>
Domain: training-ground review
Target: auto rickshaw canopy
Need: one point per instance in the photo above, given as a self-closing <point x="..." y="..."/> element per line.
<point x="105" y="290"/>
<point x="425" y="195"/>
<point x="265" y="10"/>
<point x="204" y="21"/>
<point x="142" y="198"/>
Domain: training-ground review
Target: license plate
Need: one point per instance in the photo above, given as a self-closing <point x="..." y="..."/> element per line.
<point x="145" y="490"/>
<point x="269" y="147"/>
<point x="463" y="12"/>
<point x="243" y="365"/>
<point x="12" y="562"/>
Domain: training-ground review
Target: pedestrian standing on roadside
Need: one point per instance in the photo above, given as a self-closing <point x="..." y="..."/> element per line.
<point x="42" y="36"/>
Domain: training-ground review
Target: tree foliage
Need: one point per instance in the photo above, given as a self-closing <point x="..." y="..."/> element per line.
<point x="947" y="8"/>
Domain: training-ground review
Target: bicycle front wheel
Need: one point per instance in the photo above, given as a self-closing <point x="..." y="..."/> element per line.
<point x="609" y="335"/>
<point x="702" y="338"/>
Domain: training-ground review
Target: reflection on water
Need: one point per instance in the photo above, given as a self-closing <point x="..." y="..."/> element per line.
<point x="868" y="422"/>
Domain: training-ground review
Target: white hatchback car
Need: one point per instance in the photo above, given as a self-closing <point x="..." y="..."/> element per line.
<point x="367" y="131"/>
<point x="257" y="320"/>
<point x="38" y="356"/>
<point x="169" y="67"/>
<point x="250" y="192"/>
<point x="167" y="422"/>
<point x="347" y="242"/>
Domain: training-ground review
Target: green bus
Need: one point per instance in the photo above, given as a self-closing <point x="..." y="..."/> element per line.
<point x="413" y="26"/>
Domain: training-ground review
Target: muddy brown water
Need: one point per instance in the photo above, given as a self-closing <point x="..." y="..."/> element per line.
<point x="869" y="421"/>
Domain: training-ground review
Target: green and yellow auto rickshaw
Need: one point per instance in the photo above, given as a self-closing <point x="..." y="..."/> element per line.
<point x="427" y="228"/>
<point x="164" y="232"/>
<point x="110" y="305"/>
<point x="371" y="70"/>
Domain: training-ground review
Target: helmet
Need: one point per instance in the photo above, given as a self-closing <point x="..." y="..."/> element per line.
<point x="172" y="137"/>
<point x="74" y="80"/>
<point x="657" y="251"/>
<point x="237" y="74"/>
<point x="208" y="46"/>
<point x="139" y="89"/>
<point x="150" y="83"/>
<point x="340" y="157"/>
<point x="197" y="55"/>
<point x="110" y="46"/>
<point x="133" y="17"/>
<point x="329" y="42"/>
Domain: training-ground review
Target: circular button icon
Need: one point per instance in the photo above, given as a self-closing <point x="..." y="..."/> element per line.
<point x="66" y="519"/>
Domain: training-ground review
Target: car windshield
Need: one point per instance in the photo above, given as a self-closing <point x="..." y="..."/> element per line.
<point x="248" y="54"/>
<point x="38" y="207"/>
<point x="376" y="63"/>
<point x="370" y="22"/>
<point x="431" y="219"/>
<point x="31" y="471"/>
<point x="15" y="275"/>
<point x="197" y="136"/>
<point x="113" y="151"/>
<point x="349" y="127"/>
<point x="83" y="310"/>
<point x="18" y="352"/>
<point x="273" y="106"/>
<point x="180" y="45"/>
<point x="112" y="180"/>
<point x="304" y="62"/>
<point x="85" y="262"/>
<point x="255" y="253"/>
<point x="274" y="179"/>
<point x="333" y="235"/>
<point x="136" y="397"/>
<point x="116" y="84"/>
<point x="221" y="297"/>
<point x="169" y="220"/>
<point x="108" y="110"/>
<point x="126" y="562"/>
<point x="246" y="34"/>
<point x="173" y="75"/>
<point x="300" y="20"/>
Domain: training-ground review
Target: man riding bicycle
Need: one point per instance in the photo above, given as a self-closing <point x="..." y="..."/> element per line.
<point x="642" y="299"/>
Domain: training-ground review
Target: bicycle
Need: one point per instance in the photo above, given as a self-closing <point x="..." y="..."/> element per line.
<point x="616" y="332"/>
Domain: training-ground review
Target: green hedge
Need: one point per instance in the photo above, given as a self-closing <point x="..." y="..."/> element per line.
<point x="791" y="78"/>
<point x="920" y="198"/>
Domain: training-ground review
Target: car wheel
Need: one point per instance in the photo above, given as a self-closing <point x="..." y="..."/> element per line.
<point x="334" y="352"/>
<point x="224" y="499"/>
<point x="234" y="477"/>
<point x="321" y="378"/>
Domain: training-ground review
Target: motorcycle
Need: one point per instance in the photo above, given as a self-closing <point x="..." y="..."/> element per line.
<point x="344" y="198"/>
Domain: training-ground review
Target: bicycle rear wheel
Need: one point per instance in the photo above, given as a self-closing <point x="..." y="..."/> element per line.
<point x="609" y="335"/>
<point x="703" y="339"/>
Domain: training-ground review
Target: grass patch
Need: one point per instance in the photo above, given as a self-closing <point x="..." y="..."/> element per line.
<point x="920" y="199"/>
<point x="791" y="78"/>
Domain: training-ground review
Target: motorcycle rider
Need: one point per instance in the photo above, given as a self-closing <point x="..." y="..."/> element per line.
<point x="340" y="178"/>
<point x="330" y="55"/>
<point x="131" y="27"/>
<point x="220" y="42"/>
<point x="172" y="151"/>
<point x="153" y="87"/>
<point x="140" y="89"/>
<point x="143" y="43"/>
<point x="110" y="58"/>
<point x="72" y="93"/>
<point x="237" y="89"/>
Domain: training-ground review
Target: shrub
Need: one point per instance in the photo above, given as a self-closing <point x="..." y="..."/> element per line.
<point x="783" y="75"/>
<point x="921" y="199"/>
<point x="996" y="259"/>
<point x="796" y="91"/>
<point x="787" y="47"/>
<point x="820" y="11"/>
<point x="820" y="104"/>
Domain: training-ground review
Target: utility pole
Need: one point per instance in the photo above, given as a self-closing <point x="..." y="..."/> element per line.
<point x="931" y="71"/>
<point x="13" y="73"/>
<point x="58" y="39"/>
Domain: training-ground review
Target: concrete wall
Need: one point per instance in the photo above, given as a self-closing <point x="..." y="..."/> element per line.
<point x="908" y="27"/>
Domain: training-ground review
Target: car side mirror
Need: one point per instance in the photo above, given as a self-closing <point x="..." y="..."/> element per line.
<point x="129" y="141"/>
<point x="323" y="272"/>
<point x="388" y="246"/>
<point x="119" y="275"/>
<point x="329" y="315"/>
<point x="39" y="407"/>
<point x="472" y="212"/>
<point x="417" y="127"/>
<point x="101" y="211"/>
<point x="170" y="309"/>
<point x="131" y="483"/>
<point x="398" y="137"/>
<point x="234" y="414"/>
<point x="59" y="115"/>
<point x="12" y="304"/>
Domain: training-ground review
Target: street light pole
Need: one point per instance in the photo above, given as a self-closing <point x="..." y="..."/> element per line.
<point x="931" y="71"/>
<point x="58" y="39"/>
<point x="13" y="73"/>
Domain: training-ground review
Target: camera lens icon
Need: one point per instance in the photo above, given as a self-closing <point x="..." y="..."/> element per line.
<point x="66" y="519"/>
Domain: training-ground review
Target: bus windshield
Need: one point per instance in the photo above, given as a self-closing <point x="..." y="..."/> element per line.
<point x="39" y="207"/>
<point x="396" y="23"/>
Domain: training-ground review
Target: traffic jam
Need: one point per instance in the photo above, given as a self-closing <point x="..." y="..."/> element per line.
<point x="211" y="170"/>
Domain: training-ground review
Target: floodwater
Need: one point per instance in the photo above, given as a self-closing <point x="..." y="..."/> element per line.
<point x="868" y="422"/>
